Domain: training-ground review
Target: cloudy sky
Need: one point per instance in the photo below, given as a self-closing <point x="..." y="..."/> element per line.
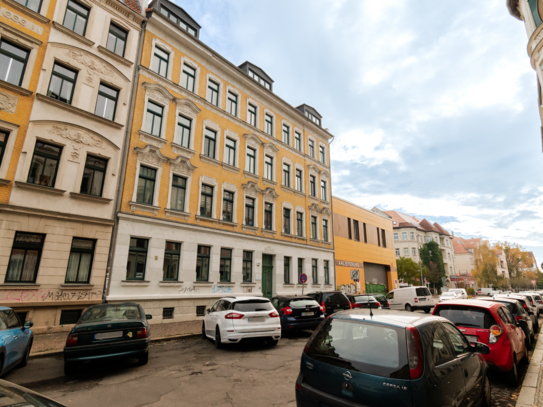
<point x="433" y="104"/>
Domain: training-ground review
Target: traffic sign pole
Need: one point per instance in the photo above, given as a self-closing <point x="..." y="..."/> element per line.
<point x="303" y="280"/>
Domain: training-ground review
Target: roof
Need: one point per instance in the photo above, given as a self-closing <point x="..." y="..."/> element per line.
<point x="256" y="69"/>
<point x="513" y="7"/>
<point x="472" y="303"/>
<point x="234" y="299"/>
<point x="458" y="247"/>
<point x="462" y="245"/>
<point x="399" y="219"/>
<point x="442" y="230"/>
<point x="133" y="4"/>
<point x="388" y="317"/>
<point x="427" y="226"/>
<point x="499" y="252"/>
<point x="305" y="107"/>
<point x="294" y="296"/>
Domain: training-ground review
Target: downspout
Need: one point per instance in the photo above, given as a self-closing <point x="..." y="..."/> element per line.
<point x="332" y="210"/>
<point x="118" y="195"/>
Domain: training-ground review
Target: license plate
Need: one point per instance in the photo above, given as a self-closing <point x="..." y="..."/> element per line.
<point x="471" y="338"/>
<point x="307" y="314"/>
<point x="109" y="335"/>
<point x="257" y="319"/>
<point x="422" y="299"/>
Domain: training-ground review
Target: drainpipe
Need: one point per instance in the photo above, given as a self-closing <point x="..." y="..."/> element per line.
<point x="332" y="211"/>
<point x="118" y="195"/>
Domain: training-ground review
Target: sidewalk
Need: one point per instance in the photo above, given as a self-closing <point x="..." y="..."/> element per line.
<point x="52" y="343"/>
<point x="531" y="393"/>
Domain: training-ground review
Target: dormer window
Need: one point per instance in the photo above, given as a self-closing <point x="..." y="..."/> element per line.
<point x="177" y="21"/>
<point x="259" y="79"/>
<point x="314" y="119"/>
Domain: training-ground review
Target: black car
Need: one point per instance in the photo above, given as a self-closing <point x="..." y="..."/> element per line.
<point x="381" y="298"/>
<point x="331" y="301"/>
<point x="298" y="312"/>
<point x="363" y="301"/>
<point x="19" y="396"/>
<point x="108" y="331"/>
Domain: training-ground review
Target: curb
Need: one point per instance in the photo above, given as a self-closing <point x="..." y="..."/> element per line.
<point x="161" y="339"/>
<point x="533" y="381"/>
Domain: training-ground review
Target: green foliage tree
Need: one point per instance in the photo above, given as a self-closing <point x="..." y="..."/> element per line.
<point x="408" y="270"/>
<point x="431" y="257"/>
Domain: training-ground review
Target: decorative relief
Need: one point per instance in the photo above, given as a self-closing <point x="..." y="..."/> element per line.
<point x="251" y="189"/>
<point x="150" y="155"/>
<point x="153" y="94"/>
<point x="269" y="250"/>
<point x="88" y="78"/>
<point x="325" y="174"/>
<point x="75" y="154"/>
<point x="270" y="149"/>
<point x="182" y="166"/>
<point x="153" y="140"/>
<point x="10" y="15"/>
<point x="314" y="209"/>
<point x="77" y="136"/>
<point x="313" y="169"/>
<point x="91" y="63"/>
<point x="187" y="107"/>
<point x="536" y="40"/>
<point x="326" y="212"/>
<point x="253" y="141"/>
<point x="270" y="195"/>
<point x="157" y="92"/>
<point x="8" y="103"/>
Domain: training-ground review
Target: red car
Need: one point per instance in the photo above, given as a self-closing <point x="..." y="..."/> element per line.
<point x="493" y="324"/>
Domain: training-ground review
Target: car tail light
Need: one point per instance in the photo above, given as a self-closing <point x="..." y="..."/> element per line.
<point x="72" y="340"/>
<point x="275" y="314"/>
<point x="323" y="306"/>
<point x="526" y="307"/>
<point x="533" y="305"/>
<point x="141" y="333"/>
<point x="287" y="310"/>
<point x="298" y="386"/>
<point x="495" y="332"/>
<point x="416" y="300"/>
<point x="233" y="315"/>
<point x="414" y="351"/>
<point x="378" y="304"/>
<point x="323" y="309"/>
<point x="350" y="305"/>
<point x="520" y="318"/>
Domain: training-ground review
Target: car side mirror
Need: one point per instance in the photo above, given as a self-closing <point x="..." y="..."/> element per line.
<point x="28" y="325"/>
<point x="522" y="323"/>
<point x="208" y="310"/>
<point x="480" y="348"/>
<point x="148" y="316"/>
<point x="530" y="313"/>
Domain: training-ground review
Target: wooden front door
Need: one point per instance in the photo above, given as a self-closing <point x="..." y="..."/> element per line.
<point x="267" y="275"/>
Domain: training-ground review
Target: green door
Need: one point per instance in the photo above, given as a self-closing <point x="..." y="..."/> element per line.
<point x="267" y="275"/>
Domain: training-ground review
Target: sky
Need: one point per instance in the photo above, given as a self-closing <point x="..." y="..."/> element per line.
<point x="433" y="104"/>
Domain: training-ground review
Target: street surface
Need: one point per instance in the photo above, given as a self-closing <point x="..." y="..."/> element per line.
<point x="191" y="372"/>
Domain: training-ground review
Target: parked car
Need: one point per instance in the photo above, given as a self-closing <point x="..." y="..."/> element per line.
<point x="298" y="312"/>
<point x="355" y="359"/>
<point x="363" y="301"/>
<point x="448" y="295"/>
<point x="527" y="305"/>
<point x="489" y="292"/>
<point x="411" y="299"/>
<point x="538" y="301"/>
<point x="493" y="324"/>
<point x="331" y="301"/>
<point x="15" y="340"/>
<point x="232" y="319"/>
<point x="14" y="395"/>
<point x="381" y="298"/>
<point x="519" y="313"/>
<point x="461" y="292"/>
<point x="108" y="331"/>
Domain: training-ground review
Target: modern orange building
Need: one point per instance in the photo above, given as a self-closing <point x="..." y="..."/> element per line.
<point x="364" y="249"/>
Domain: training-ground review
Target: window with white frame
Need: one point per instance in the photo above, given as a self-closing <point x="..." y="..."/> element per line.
<point x="322" y="154"/>
<point x="397" y="252"/>
<point x="268" y="167"/>
<point x="412" y="235"/>
<point x="404" y="235"/>
<point x="313" y="186"/>
<point x="286" y="175"/>
<point x="249" y="211"/>
<point x="161" y="60"/>
<point x="396" y="236"/>
<point x="213" y="92"/>
<point x="230" y="152"/>
<point x="228" y="206"/>
<point x="406" y="251"/>
<point x="184" y="128"/>
<point x="325" y="230"/>
<point x="153" y="119"/>
<point x="324" y="190"/>
<point x="268" y="216"/>
<point x="251" y="160"/>
<point x="300" y="224"/>
<point x="268" y="124"/>
<point x="414" y="251"/>
<point x="179" y="189"/>
<point x="286" y="220"/>
<point x="298" y="140"/>
<point x="299" y="180"/>
<point x="286" y="134"/>
<point x="206" y="201"/>
<point x="232" y="103"/>
<point x="311" y="149"/>
<point x="251" y="114"/>
<point x="210" y="141"/>
<point x="188" y="79"/>
<point x="13" y="61"/>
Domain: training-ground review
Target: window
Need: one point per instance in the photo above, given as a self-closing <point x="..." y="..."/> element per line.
<point x="356" y="228"/>
<point x="365" y="234"/>
<point x="299" y="223"/>
<point x="153" y="119"/>
<point x="177" y="199"/>
<point x="268" y="216"/>
<point x="225" y="268"/>
<point x="313" y="118"/>
<point x="313" y="185"/>
<point x="230" y="153"/>
<point x="13" y="61"/>
<point x="3" y="143"/>
<point x="383" y="237"/>
<point x="412" y="236"/>
<point x="259" y="79"/>
<point x="324" y="191"/>
<point x="322" y="155"/>
<point x="137" y="257"/>
<point x="116" y="40"/>
<point x="213" y="89"/>
<point x="299" y="180"/>
<point x="428" y="239"/>
<point x="441" y="352"/>
<point x="286" y="175"/>
<point x="396" y="236"/>
<point x="325" y="230"/>
<point x="93" y="176"/>
<point x="33" y="5"/>
<point x="228" y="206"/>
<point x="251" y="160"/>
<point x="167" y="313"/>
<point x="189" y="78"/>
<point x="397" y="252"/>
<point x="232" y="104"/>
<point x="406" y="251"/>
<point x="62" y="84"/>
<point x="297" y="141"/>
<point x="349" y="230"/>
<point x="69" y="317"/>
<point x="459" y="343"/>
<point x="249" y="211"/>
<point x="202" y="263"/>
<point x="311" y="148"/>
<point x="404" y="235"/>
<point x="76" y="17"/>
<point x="413" y="251"/>
<point x="206" y="201"/>
<point x="44" y="166"/>
<point x="177" y="21"/>
<point x="106" y="103"/>
<point x="201" y="310"/>
<point x="171" y="261"/>
<point x="146" y="185"/>
<point x="286" y="134"/>
<point x="184" y="127"/>
<point x="314" y="271"/>
<point x="210" y="137"/>
<point x="268" y="167"/>
<point x="247" y="267"/>
<point x="300" y="268"/>
<point x="326" y="272"/>
<point x="286" y="270"/>
<point x="251" y="115"/>
<point x="314" y="227"/>
<point x="268" y="124"/>
<point x="25" y="258"/>
<point x="161" y="59"/>
<point x="286" y="221"/>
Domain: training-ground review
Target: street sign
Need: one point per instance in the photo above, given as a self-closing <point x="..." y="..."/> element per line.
<point x="533" y="282"/>
<point x="303" y="278"/>
<point x="355" y="275"/>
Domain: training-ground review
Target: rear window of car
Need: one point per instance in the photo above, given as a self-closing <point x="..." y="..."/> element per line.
<point x="110" y="312"/>
<point x="379" y="297"/>
<point x="364" y="347"/>
<point x="472" y="317"/>
<point x="362" y="298"/>
<point x="252" y="306"/>
<point x="336" y="298"/>
<point x="423" y="292"/>
<point x="302" y="303"/>
<point x="511" y="306"/>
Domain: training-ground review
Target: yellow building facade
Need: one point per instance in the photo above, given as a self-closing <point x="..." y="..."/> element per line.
<point x="364" y="249"/>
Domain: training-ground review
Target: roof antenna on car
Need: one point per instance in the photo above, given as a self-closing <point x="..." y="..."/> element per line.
<point x="371" y="312"/>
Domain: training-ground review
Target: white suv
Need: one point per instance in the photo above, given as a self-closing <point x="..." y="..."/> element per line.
<point x="232" y="319"/>
<point x="461" y="292"/>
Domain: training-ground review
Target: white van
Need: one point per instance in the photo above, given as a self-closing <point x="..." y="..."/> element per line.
<point x="461" y="292"/>
<point x="411" y="299"/>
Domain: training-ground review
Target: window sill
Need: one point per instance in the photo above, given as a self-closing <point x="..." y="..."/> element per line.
<point x="288" y="235"/>
<point x="313" y="199"/>
<point x="247" y="228"/>
<point x="230" y="168"/>
<point x="328" y="285"/>
<point x="39" y="188"/>
<point x="317" y="241"/>
<point x="19" y="286"/>
<point x="288" y="189"/>
<point x="268" y="232"/>
<point x="4" y="181"/>
<point x="300" y="193"/>
<point x="209" y="160"/>
<point x="116" y="57"/>
<point x="269" y="182"/>
<point x="143" y="207"/>
<point x="315" y="285"/>
<point x="135" y="283"/>
<point x="27" y="11"/>
<point x="288" y="285"/>
<point x="92" y="198"/>
<point x="177" y="214"/>
<point x="303" y="239"/>
<point x="203" y="283"/>
<point x="226" y="284"/>
<point x="72" y="34"/>
<point x="247" y="284"/>
<point x="14" y="88"/>
<point x="324" y="202"/>
<point x="170" y="283"/>
<point x="151" y="139"/>
<point x="76" y="110"/>
<point x="76" y="286"/>
<point x="227" y="223"/>
<point x="183" y="151"/>
<point x="205" y="218"/>
<point x="251" y="175"/>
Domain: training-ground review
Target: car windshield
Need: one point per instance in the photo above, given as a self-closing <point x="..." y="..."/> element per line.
<point x="423" y="292"/>
<point x="253" y="306"/>
<point x="110" y="312"/>
<point x="363" y="298"/>
<point x="379" y="297"/>
<point x="303" y="303"/>
<point x="467" y="316"/>
<point x="375" y="349"/>
<point x="11" y="395"/>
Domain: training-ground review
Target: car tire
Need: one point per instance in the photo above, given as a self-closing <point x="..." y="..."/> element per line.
<point x="218" y="343"/>
<point x="143" y="359"/>
<point x="273" y="342"/>
<point x="487" y="393"/>
<point x="532" y="340"/>
<point x="427" y="311"/>
<point x="528" y="342"/>
<point x="204" y="336"/>
<point x="408" y="308"/>
<point x="70" y="368"/>
<point x="26" y="356"/>
<point x="512" y="376"/>
<point x="525" y="360"/>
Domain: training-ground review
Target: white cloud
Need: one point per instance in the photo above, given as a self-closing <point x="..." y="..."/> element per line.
<point x="362" y="146"/>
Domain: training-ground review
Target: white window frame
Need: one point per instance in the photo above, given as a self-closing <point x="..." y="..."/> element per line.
<point x="298" y="130"/>
<point x="226" y="186"/>
<point x="274" y="121"/>
<point x="404" y="235"/>
<point x="204" y="179"/>
<point x="157" y="42"/>
<point x="208" y="124"/>
<point x="406" y="251"/>
<point x="187" y="189"/>
<point x="411" y="235"/>
<point x="397" y="252"/>
<point x="288" y="205"/>
<point x="304" y="217"/>
<point x="186" y="108"/>
<point x="12" y="130"/>
<point x="215" y="79"/>
<point x="235" y="92"/>
<point x="325" y="154"/>
<point x="291" y="134"/>
<point x="158" y="96"/>
<point x="254" y="196"/>
<point x="271" y="150"/>
<point x="414" y="251"/>
<point x="325" y="216"/>
<point x="234" y="136"/>
<point x="396" y="237"/>
<point x="301" y="168"/>
<point x="254" y="103"/>
<point x="313" y="211"/>
<point x="286" y="160"/>
<point x="309" y="137"/>
<point x="196" y="67"/>
<point x="253" y="142"/>
<point x="325" y="179"/>
<point x="158" y="177"/>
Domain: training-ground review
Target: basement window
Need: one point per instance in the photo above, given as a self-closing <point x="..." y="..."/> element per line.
<point x="167" y="313"/>
<point x="70" y="317"/>
<point x="201" y="311"/>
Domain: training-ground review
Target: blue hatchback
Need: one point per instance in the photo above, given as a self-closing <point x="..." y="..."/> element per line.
<point x="391" y="358"/>
<point x="15" y="340"/>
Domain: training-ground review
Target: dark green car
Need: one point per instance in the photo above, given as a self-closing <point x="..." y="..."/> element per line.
<point x="108" y="331"/>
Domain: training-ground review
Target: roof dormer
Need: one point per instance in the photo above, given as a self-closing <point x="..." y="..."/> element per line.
<point x="311" y="114"/>
<point x="177" y="16"/>
<point x="257" y="75"/>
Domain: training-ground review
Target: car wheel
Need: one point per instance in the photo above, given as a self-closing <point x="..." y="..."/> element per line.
<point x="427" y="311"/>
<point x="204" y="336"/>
<point x="218" y="343"/>
<point x="513" y="373"/>
<point x="273" y="342"/>
<point x="487" y="395"/>
<point x="143" y="359"/>
<point x="408" y="308"/>
<point x="528" y="342"/>
<point x="26" y="356"/>
<point x="70" y="368"/>
<point x="532" y="340"/>
<point x="525" y="360"/>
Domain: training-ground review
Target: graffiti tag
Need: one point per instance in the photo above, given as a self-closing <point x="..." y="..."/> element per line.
<point x="48" y="295"/>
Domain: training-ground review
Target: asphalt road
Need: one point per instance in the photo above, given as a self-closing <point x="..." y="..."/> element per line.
<point x="191" y="372"/>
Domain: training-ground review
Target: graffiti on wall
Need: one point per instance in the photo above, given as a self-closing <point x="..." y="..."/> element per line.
<point x="221" y="289"/>
<point x="48" y="295"/>
<point x="347" y="288"/>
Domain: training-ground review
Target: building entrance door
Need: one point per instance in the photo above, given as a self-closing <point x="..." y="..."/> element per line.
<point x="267" y="275"/>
